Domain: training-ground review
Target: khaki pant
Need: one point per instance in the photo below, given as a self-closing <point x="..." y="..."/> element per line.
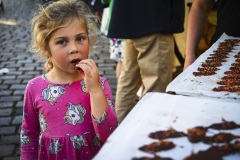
<point x="148" y="61"/>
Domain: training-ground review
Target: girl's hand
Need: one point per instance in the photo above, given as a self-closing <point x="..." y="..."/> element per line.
<point x="91" y="78"/>
<point x="91" y="75"/>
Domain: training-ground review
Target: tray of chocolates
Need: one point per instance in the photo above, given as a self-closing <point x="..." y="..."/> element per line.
<point x="175" y="127"/>
<point x="215" y="73"/>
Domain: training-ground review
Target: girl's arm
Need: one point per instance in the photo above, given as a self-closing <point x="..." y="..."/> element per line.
<point x="108" y="122"/>
<point x="103" y="113"/>
<point x="30" y="129"/>
<point x="91" y="78"/>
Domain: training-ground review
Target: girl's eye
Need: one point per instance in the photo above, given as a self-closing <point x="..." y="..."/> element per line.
<point x="80" y="38"/>
<point x="62" y="42"/>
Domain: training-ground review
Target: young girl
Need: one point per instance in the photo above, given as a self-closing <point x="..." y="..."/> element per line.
<point x="68" y="112"/>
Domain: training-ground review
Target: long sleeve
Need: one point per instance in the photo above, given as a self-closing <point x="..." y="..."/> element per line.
<point x="108" y="122"/>
<point x="30" y="129"/>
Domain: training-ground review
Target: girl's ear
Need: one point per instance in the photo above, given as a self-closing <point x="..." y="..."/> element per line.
<point x="46" y="51"/>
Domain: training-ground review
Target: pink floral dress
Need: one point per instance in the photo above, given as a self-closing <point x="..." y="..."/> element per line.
<point x="57" y="122"/>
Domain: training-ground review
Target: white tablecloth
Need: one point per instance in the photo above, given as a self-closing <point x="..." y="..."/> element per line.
<point x="159" y="111"/>
<point x="188" y="84"/>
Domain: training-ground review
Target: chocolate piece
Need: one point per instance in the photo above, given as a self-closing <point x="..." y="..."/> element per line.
<point x="77" y="68"/>
<point x="207" y="69"/>
<point x="225" y="125"/>
<point x="213" y="153"/>
<point x="166" y="134"/>
<point x="196" y="134"/>
<point x="229" y="82"/>
<point x="220" y="138"/>
<point x="158" y="146"/>
<point x="204" y="73"/>
<point x="226" y="88"/>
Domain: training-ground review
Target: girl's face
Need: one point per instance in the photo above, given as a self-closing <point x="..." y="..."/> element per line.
<point x="68" y="46"/>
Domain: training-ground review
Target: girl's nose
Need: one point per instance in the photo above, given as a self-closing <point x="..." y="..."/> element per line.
<point x="73" y="48"/>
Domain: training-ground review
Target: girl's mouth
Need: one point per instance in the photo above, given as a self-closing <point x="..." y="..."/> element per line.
<point x="74" y="62"/>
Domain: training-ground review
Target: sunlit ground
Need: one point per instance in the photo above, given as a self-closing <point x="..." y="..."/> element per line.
<point x="8" y="22"/>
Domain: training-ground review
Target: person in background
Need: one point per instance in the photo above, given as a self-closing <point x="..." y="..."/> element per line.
<point x="68" y="112"/>
<point x="228" y="15"/>
<point x="148" y="30"/>
<point x="116" y="46"/>
<point x="96" y="7"/>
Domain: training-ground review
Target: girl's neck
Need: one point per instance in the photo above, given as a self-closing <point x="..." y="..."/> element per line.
<point x="58" y="78"/>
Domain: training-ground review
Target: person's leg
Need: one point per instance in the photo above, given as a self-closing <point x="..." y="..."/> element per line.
<point x="155" y="61"/>
<point x="129" y="81"/>
<point x="118" y="68"/>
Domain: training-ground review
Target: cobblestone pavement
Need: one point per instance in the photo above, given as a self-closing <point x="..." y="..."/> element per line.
<point x="15" y="56"/>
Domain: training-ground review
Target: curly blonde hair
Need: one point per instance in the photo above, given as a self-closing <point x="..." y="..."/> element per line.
<point x="55" y="15"/>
